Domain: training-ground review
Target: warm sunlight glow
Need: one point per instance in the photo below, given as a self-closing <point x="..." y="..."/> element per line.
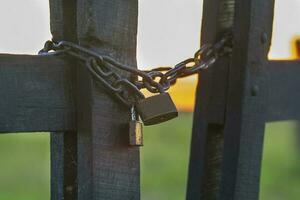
<point x="183" y="94"/>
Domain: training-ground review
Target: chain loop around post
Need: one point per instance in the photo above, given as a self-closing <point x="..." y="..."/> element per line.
<point x="158" y="80"/>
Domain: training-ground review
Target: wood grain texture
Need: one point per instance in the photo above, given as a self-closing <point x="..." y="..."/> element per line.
<point x="226" y="154"/>
<point x="64" y="144"/>
<point x="57" y="165"/>
<point x="107" y="167"/>
<point x="283" y="79"/>
<point x="63" y="165"/>
<point x="247" y="100"/>
<point x="207" y="137"/>
<point x="63" y="20"/>
<point x="36" y="94"/>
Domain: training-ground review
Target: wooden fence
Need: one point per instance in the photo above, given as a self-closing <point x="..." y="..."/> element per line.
<point x="90" y="156"/>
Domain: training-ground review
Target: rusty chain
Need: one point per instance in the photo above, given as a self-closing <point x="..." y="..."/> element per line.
<point x="158" y="80"/>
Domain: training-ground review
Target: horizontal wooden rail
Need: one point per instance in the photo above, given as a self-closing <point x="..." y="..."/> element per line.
<point x="36" y="94"/>
<point x="284" y="90"/>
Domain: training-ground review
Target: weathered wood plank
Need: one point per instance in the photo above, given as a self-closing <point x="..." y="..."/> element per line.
<point x="107" y="167"/>
<point x="284" y="86"/>
<point x="247" y="100"/>
<point x="63" y="165"/>
<point x="226" y="154"/>
<point x="63" y="14"/>
<point x="36" y="94"/>
<point x="57" y="167"/>
<point x="207" y="138"/>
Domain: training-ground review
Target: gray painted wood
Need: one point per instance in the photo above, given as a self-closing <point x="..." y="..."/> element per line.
<point x="63" y="165"/>
<point x="107" y="167"/>
<point x="247" y="100"/>
<point x="36" y="94"/>
<point x="283" y="79"/>
<point x="57" y="167"/>
<point x="64" y="144"/>
<point x="226" y="154"/>
<point x="207" y="137"/>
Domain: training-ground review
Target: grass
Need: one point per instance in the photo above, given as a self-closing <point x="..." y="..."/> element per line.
<point x="281" y="163"/>
<point x="165" y="159"/>
<point x="25" y="173"/>
<point x="24" y="169"/>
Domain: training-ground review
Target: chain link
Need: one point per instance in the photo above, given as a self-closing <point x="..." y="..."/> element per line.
<point x="157" y="80"/>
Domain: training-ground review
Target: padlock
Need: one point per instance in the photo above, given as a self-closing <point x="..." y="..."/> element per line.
<point x="156" y="109"/>
<point x="135" y="129"/>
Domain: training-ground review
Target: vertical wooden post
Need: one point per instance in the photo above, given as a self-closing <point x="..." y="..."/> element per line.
<point x="103" y="166"/>
<point x="207" y="137"/>
<point x="226" y="154"/>
<point x="99" y="164"/>
<point x="247" y="100"/>
<point x="64" y="145"/>
<point x="107" y="167"/>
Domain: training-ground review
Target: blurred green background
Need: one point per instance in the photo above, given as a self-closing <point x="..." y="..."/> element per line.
<point x="25" y="161"/>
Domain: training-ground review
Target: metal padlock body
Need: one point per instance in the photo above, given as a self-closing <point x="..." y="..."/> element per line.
<point x="135" y="133"/>
<point x="156" y="109"/>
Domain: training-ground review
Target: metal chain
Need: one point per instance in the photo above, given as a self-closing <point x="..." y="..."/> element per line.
<point x="157" y="80"/>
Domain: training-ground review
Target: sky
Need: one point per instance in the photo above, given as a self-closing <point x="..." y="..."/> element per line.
<point x="169" y="30"/>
